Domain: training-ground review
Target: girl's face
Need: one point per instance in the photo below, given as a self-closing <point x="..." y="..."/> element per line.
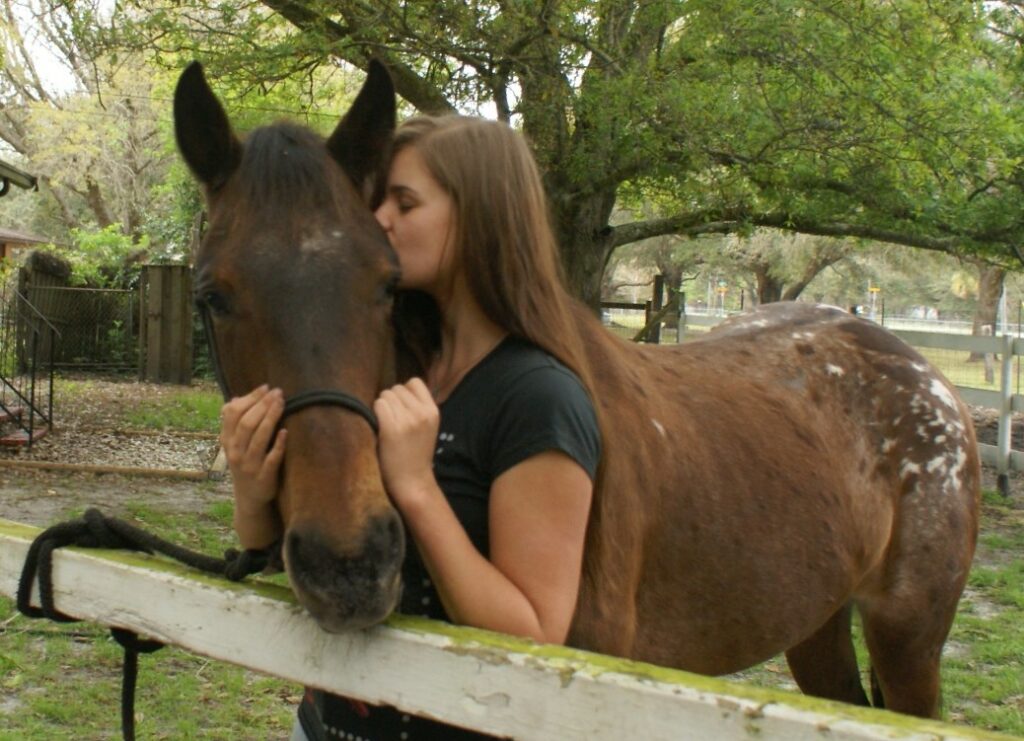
<point x="417" y="215"/>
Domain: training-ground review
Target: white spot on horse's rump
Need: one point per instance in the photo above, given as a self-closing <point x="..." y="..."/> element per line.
<point x="909" y="468"/>
<point x="658" y="426"/>
<point x="958" y="466"/>
<point x="919" y="367"/>
<point x="834" y="370"/>
<point x="338" y="234"/>
<point x="888" y="444"/>
<point x="939" y="462"/>
<point x="942" y="393"/>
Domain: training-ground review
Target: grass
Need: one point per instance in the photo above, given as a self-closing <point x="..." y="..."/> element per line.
<point x="985" y="672"/>
<point x="123" y="403"/>
<point x="190" y="410"/>
<point x="63" y="681"/>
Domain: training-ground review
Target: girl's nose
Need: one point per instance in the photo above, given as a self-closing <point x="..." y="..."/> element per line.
<point x="382" y="217"/>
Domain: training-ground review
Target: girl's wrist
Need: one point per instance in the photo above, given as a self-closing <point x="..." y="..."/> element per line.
<point x="257" y="525"/>
<point x="413" y="497"/>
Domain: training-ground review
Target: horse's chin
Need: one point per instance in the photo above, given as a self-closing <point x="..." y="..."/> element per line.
<point x="334" y="617"/>
<point x="347" y="588"/>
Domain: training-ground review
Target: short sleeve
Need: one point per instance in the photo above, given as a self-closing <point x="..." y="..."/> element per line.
<point x="546" y="409"/>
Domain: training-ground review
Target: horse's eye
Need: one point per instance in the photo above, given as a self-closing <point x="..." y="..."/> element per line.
<point x="216" y="303"/>
<point x="389" y="288"/>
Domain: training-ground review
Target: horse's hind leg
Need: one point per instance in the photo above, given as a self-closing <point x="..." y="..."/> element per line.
<point x="825" y="665"/>
<point x="906" y="648"/>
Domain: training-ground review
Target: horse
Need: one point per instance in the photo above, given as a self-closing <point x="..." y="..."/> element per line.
<point x="758" y="484"/>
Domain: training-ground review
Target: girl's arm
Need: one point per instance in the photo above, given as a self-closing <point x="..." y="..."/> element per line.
<point x="538" y="519"/>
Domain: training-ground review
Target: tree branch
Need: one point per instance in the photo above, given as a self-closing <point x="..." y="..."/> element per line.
<point x="347" y="44"/>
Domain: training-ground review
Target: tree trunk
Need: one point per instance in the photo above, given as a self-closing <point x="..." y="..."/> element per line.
<point x="97" y="204"/>
<point x="769" y="288"/>
<point x="583" y="234"/>
<point x="990" y="288"/>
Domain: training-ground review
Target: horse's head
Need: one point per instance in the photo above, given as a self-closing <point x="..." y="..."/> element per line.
<point x="296" y="279"/>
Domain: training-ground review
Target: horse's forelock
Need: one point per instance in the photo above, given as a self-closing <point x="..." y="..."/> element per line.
<point x="284" y="166"/>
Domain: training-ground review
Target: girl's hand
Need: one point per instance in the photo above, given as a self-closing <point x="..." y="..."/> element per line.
<point x="409" y="421"/>
<point x="246" y="432"/>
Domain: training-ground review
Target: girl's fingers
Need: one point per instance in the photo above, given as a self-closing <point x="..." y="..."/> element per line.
<point x="419" y="390"/>
<point x="249" y="433"/>
<point x="234" y="409"/>
<point x="276" y="454"/>
<point x="265" y="416"/>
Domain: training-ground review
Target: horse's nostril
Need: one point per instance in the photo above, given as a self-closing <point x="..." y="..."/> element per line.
<point x="314" y="558"/>
<point x="306" y="552"/>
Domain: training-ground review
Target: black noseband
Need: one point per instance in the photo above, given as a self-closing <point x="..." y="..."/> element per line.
<point x="300" y="401"/>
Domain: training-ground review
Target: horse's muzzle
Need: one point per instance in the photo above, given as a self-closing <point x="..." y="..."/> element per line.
<point x="350" y="588"/>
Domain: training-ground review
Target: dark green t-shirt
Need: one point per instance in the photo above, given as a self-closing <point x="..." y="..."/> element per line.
<point x="515" y="403"/>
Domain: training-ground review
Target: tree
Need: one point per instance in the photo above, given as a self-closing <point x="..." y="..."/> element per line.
<point x="85" y="123"/>
<point x="888" y="121"/>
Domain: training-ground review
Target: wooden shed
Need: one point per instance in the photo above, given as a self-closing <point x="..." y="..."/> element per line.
<point x="15" y="244"/>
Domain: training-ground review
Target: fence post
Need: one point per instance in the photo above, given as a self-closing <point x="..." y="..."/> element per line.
<point x="654" y="334"/>
<point x="1005" y="415"/>
<point x="681" y="326"/>
<point x="168" y="326"/>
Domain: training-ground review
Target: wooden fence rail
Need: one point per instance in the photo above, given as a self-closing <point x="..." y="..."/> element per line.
<point x="471" y="678"/>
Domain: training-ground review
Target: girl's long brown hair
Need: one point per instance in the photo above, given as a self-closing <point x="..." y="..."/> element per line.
<point x="503" y="236"/>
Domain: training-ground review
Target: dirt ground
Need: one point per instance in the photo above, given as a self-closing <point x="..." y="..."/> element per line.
<point x="93" y="427"/>
<point x="43" y="497"/>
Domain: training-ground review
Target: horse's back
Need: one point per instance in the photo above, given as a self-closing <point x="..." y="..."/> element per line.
<point x="793" y="460"/>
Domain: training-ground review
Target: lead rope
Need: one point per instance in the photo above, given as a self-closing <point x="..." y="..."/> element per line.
<point x="96" y="530"/>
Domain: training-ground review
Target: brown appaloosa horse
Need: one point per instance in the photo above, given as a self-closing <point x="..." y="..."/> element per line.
<point x="758" y="485"/>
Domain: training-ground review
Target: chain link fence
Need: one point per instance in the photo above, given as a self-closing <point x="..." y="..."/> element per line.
<point x="99" y="327"/>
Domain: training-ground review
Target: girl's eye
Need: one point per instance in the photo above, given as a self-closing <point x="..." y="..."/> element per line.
<point x="404" y="206"/>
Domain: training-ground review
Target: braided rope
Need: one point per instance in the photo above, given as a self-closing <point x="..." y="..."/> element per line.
<point x="96" y="530"/>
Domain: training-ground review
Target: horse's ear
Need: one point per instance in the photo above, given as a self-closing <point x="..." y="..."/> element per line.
<point x="201" y="126"/>
<point x="361" y="141"/>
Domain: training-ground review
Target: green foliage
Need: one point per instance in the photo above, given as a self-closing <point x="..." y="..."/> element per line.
<point x="101" y="258"/>
<point x="894" y="121"/>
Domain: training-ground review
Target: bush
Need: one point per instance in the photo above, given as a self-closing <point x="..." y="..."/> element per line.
<point x="99" y="259"/>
